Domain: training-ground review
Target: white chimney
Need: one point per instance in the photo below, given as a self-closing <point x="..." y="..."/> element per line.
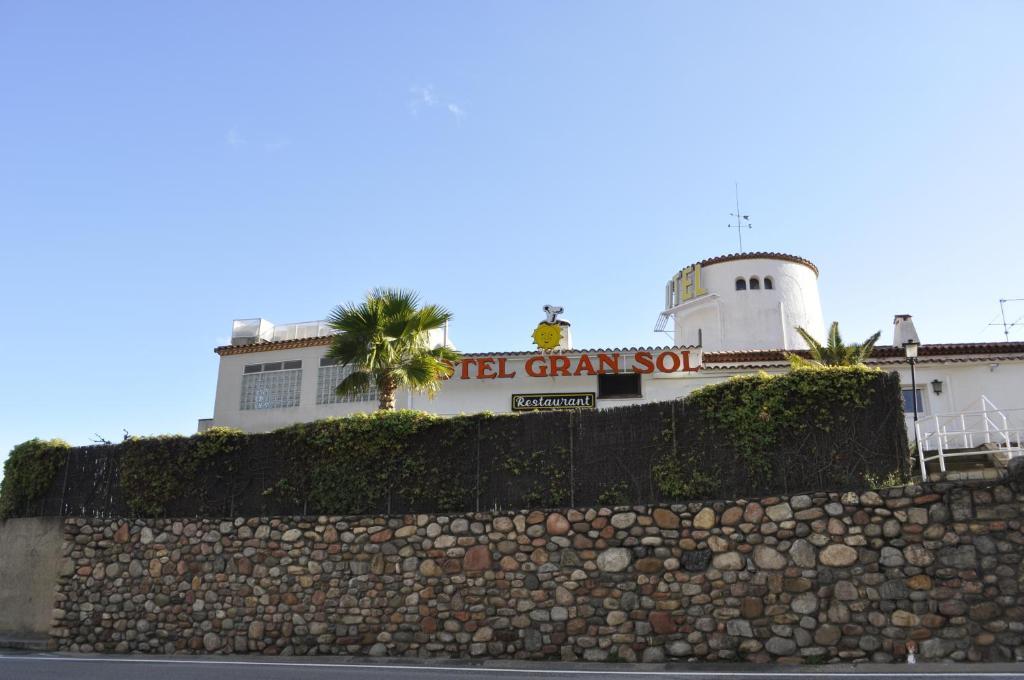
<point x="903" y="330"/>
<point x="566" y="342"/>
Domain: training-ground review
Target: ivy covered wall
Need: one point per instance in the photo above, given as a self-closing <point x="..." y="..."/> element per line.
<point x="806" y="430"/>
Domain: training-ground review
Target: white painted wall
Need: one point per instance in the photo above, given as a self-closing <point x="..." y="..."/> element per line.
<point x="730" y="319"/>
<point x="456" y="396"/>
<point x="964" y="383"/>
<point x="226" y="407"/>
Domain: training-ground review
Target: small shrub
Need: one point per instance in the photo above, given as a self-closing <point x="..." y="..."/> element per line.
<point x="29" y="472"/>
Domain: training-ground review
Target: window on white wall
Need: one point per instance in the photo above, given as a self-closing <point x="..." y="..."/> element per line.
<point x="908" y="400"/>
<point x="755" y="284"/>
<point x="618" y="385"/>
<point x="768" y="283"/>
<point x="330" y="376"/>
<point x="741" y="284"/>
<point x="276" y="384"/>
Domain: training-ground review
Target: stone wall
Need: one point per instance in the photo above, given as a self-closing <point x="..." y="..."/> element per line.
<point x="30" y="550"/>
<point x="818" y="577"/>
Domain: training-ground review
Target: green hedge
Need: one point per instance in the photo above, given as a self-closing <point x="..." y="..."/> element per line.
<point x="808" y="429"/>
<point x="28" y="473"/>
<point x="819" y="416"/>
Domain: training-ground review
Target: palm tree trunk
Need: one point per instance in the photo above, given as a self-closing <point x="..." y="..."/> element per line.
<point x="386" y="395"/>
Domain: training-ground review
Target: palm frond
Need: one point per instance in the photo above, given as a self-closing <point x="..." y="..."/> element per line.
<point x="817" y="350"/>
<point x="386" y="338"/>
<point x="834" y="352"/>
<point x="355" y="383"/>
<point x="868" y="346"/>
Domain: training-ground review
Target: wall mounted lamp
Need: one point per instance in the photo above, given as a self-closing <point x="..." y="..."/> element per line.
<point x="937" y="386"/>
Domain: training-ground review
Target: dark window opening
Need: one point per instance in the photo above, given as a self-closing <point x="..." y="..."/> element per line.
<point x="741" y="284"/>
<point x="755" y="284"/>
<point x="768" y="285"/>
<point x="617" y="385"/>
<point x="908" y="400"/>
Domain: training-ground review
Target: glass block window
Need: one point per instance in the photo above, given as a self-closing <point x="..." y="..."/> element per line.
<point x="272" y="385"/>
<point x="330" y="376"/>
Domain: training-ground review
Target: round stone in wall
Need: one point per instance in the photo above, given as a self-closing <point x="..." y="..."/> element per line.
<point x="805" y="603"/>
<point x="623" y="520"/>
<point x="837" y="555"/>
<point x="766" y="557"/>
<point x="705" y="519"/>
<point x="613" y="560"/>
<point x="728" y="561"/>
<point x="557" y="524"/>
<point x="918" y="555"/>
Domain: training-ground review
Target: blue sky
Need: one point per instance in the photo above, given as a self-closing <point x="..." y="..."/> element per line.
<point x="165" y="168"/>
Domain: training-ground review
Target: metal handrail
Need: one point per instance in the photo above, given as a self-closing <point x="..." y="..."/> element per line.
<point x="1007" y="440"/>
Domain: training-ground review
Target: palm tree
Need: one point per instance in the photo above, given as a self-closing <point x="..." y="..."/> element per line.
<point x="835" y="353"/>
<point x="384" y="339"/>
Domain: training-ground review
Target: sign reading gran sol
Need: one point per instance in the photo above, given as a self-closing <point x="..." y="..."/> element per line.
<point x="553" y="365"/>
<point x="552" y="402"/>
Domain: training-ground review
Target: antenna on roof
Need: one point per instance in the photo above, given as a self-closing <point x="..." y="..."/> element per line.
<point x="1002" y="310"/>
<point x="740" y="218"/>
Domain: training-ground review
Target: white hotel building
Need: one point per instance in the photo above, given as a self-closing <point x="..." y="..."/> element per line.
<point x="732" y="314"/>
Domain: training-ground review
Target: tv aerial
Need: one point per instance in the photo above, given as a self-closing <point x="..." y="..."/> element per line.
<point x="741" y="219"/>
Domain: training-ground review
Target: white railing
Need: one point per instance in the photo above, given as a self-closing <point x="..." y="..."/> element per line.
<point x="987" y="429"/>
<point x="300" y="331"/>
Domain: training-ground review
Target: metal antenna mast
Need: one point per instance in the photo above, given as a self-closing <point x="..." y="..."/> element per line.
<point x="740" y="218"/>
<point x="1002" y="311"/>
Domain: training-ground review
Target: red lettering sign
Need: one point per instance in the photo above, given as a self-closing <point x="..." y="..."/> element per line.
<point x="483" y="368"/>
<point x="642" y="363"/>
<point x="562" y="365"/>
<point x="533" y="370"/>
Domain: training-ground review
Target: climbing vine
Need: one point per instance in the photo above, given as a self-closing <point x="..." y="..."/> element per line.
<point x="540" y="476"/>
<point x="809" y="429"/>
<point x="759" y="418"/>
<point x="29" y="472"/>
<point x="157" y="470"/>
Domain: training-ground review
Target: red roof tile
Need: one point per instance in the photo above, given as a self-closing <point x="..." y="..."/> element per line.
<point x="759" y="256"/>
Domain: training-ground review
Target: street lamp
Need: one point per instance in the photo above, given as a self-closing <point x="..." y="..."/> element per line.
<point x="910" y="348"/>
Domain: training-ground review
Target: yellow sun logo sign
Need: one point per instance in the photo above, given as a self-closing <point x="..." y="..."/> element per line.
<point x="547" y="335"/>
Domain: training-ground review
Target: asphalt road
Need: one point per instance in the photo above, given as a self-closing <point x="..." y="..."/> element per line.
<point x="26" y="666"/>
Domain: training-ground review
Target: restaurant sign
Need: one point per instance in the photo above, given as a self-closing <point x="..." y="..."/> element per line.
<point x="553" y="402"/>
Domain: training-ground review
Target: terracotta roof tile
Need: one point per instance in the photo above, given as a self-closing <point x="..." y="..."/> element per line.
<point x="324" y="340"/>
<point x="759" y="256"/>
<point x="947" y="351"/>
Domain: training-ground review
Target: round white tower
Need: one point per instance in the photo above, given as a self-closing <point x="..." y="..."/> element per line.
<point x="745" y="301"/>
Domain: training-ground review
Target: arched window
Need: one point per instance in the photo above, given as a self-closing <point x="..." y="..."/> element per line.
<point x="755" y="283"/>
<point x="768" y="285"/>
<point x="741" y="284"/>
